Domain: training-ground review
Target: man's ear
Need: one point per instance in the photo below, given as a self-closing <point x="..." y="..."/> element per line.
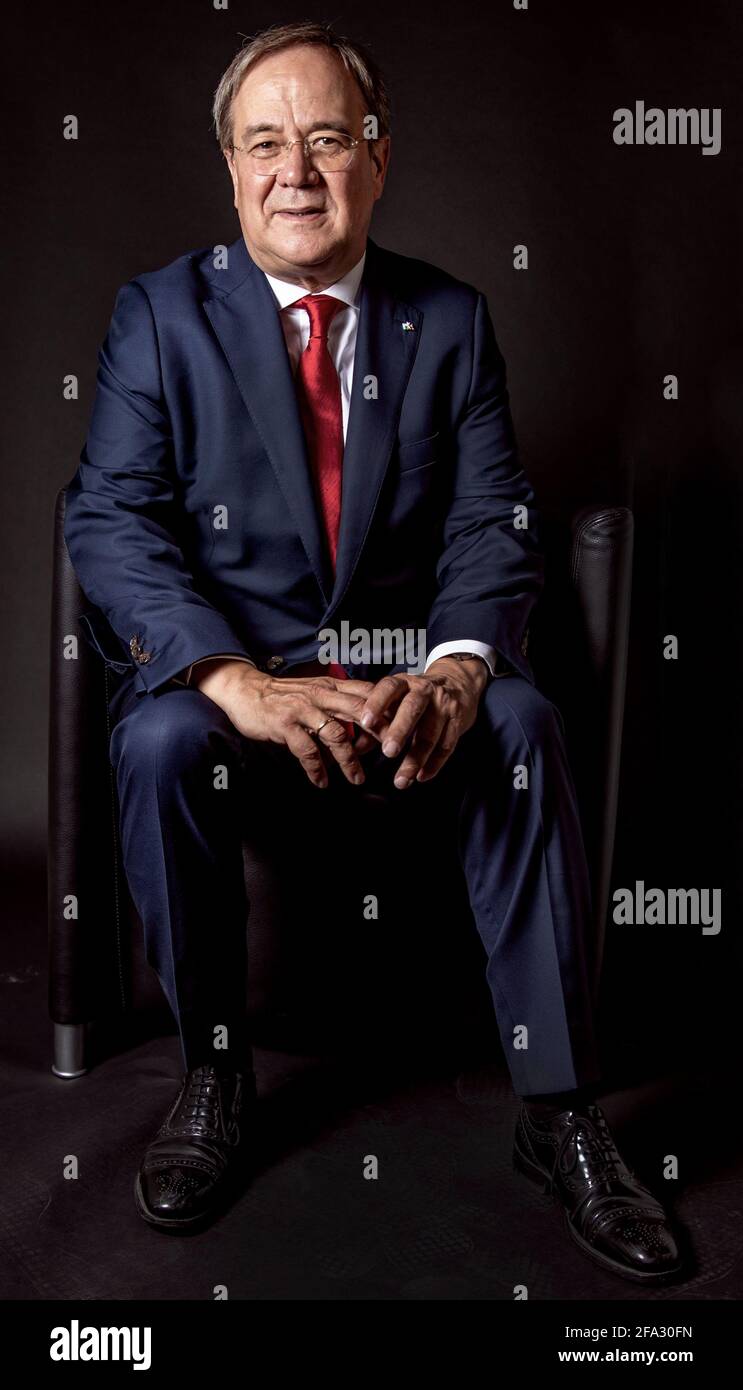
<point x="230" y="159"/>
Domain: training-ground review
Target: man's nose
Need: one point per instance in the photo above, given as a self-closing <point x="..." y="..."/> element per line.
<point x="297" y="169"/>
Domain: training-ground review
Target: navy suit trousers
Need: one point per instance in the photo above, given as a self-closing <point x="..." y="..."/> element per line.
<point x="515" y="817"/>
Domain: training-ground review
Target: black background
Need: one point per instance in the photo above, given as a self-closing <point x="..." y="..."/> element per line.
<point x="502" y="134"/>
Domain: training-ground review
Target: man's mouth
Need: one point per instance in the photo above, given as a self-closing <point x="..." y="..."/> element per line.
<point x="301" y="214"/>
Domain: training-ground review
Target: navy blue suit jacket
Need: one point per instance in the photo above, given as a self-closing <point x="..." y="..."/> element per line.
<point x="195" y="409"/>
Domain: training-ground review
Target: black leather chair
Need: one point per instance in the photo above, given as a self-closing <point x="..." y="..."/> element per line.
<point x="317" y="967"/>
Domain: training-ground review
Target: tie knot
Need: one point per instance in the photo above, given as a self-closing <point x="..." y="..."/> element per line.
<point x="321" y="308"/>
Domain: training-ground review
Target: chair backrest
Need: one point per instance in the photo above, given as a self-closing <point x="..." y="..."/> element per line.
<point x="579" y="649"/>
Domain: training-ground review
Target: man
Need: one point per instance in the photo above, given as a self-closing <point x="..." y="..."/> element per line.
<point x="297" y="431"/>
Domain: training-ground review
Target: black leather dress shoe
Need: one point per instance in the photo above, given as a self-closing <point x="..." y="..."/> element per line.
<point x="609" y="1214"/>
<point x="188" y="1168"/>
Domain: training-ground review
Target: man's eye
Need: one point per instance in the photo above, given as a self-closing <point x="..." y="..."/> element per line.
<point x="326" y="142"/>
<point x="264" y="147"/>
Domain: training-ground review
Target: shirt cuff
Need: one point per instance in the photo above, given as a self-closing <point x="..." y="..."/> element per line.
<point x="488" y="654"/>
<point x="227" y="656"/>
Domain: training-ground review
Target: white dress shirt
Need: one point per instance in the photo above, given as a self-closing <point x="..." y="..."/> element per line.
<point x="342" y="348"/>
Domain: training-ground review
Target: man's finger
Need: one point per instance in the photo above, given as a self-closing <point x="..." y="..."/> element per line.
<point x="427" y="736"/>
<point x="355" y="687"/>
<point x="436" y="757"/>
<point x="408" y="713"/>
<point x="386" y="693"/>
<point x="307" y="752"/>
<point x="333" y="736"/>
<point x="341" y="698"/>
<point x="340" y="702"/>
<point x="320" y="687"/>
<point x="364" y="741"/>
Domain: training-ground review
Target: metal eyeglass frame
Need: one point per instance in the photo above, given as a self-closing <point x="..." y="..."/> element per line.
<point x="302" y="140"/>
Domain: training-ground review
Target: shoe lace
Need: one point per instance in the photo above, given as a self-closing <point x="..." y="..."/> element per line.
<point x="201" y="1100"/>
<point x="590" y="1137"/>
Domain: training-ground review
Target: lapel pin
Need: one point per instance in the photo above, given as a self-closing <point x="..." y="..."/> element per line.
<point x="408" y="327"/>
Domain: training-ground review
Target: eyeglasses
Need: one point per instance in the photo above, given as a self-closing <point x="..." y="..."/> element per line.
<point x="327" y="151"/>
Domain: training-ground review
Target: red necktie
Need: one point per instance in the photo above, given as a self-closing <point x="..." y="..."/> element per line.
<point x="319" y="395"/>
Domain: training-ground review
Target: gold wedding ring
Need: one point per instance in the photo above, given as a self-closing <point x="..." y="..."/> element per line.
<point x="329" y="720"/>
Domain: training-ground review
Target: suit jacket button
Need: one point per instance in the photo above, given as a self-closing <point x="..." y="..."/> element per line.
<point x="274" y="662"/>
<point x="136" y="650"/>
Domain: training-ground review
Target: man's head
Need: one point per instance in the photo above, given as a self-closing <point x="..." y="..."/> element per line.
<point x="301" y="223"/>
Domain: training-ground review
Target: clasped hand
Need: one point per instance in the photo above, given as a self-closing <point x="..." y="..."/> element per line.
<point x="422" y="717"/>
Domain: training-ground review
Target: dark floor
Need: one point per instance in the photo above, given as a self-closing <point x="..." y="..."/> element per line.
<point x="446" y="1218"/>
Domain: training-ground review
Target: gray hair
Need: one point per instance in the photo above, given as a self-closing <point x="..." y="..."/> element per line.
<point x="354" y="57"/>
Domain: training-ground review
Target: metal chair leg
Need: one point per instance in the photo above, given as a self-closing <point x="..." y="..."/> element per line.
<point x="69" y="1050"/>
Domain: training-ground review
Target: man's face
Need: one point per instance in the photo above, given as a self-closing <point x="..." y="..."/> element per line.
<point x="292" y="92"/>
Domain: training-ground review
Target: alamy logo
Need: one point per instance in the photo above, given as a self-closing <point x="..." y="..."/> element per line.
<point x="76" y="1343"/>
<point x="671" y="906"/>
<point x="676" y="126"/>
<point x="374" y="646"/>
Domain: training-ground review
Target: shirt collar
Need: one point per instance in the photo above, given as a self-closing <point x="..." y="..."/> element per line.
<point x="346" y="289"/>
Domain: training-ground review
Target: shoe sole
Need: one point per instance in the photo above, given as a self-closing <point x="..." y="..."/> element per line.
<point x="535" y="1175"/>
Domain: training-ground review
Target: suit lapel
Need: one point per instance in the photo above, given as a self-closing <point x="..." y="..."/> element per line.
<point x="383" y="361"/>
<point x="245" y="318"/>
